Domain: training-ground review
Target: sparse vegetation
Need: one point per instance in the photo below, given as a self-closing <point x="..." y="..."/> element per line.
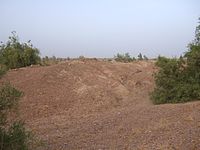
<point x="46" y="61"/>
<point x="123" y="57"/>
<point x="142" y="57"/>
<point x="14" y="54"/>
<point x="178" y="80"/>
<point x="127" y="58"/>
<point x="81" y="57"/>
<point x="13" y="135"/>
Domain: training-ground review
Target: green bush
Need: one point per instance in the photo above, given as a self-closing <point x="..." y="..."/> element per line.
<point x="13" y="135"/>
<point x="178" y="80"/>
<point x="170" y="81"/>
<point x="14" y="54"/>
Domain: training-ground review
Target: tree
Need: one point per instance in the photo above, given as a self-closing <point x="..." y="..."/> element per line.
<point x="140" y="56"/>
<point x="178" y="80"/>
<point x="14" y="54"/>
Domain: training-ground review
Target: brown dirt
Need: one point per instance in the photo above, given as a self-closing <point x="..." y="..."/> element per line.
<point x="92" y="104"/>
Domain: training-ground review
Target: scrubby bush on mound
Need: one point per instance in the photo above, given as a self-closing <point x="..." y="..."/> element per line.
<point x="178" y="80"/>
<point x="13" y="135"/>
<point x="14" y="54"/>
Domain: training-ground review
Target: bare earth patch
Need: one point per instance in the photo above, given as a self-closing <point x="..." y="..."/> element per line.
<point x="92" y="104"/>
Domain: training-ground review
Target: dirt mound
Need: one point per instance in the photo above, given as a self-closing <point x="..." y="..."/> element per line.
<point x="92" y="104"/>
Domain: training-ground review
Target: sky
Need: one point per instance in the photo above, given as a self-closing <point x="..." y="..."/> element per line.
<point x="102" y="28"/>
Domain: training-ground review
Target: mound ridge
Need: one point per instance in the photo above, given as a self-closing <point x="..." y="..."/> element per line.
<point x="92" y="104"/>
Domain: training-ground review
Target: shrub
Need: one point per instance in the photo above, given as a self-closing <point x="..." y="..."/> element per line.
<point x="168" y="80"/>
<point x="14" y="54"/>
<point x="13" y="135"/>
<point x="178" y="80"/>
<point x="15" y="138"/>
<point x="3" y="70"/>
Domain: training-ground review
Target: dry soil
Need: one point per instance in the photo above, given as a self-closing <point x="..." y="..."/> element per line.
<point x="92" y="104"/>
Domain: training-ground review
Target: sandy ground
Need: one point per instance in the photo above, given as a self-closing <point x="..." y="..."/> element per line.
<point x="90" y="104"/>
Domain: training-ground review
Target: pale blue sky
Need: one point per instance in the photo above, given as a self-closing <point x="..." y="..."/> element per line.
<point x="102" y="28"/>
